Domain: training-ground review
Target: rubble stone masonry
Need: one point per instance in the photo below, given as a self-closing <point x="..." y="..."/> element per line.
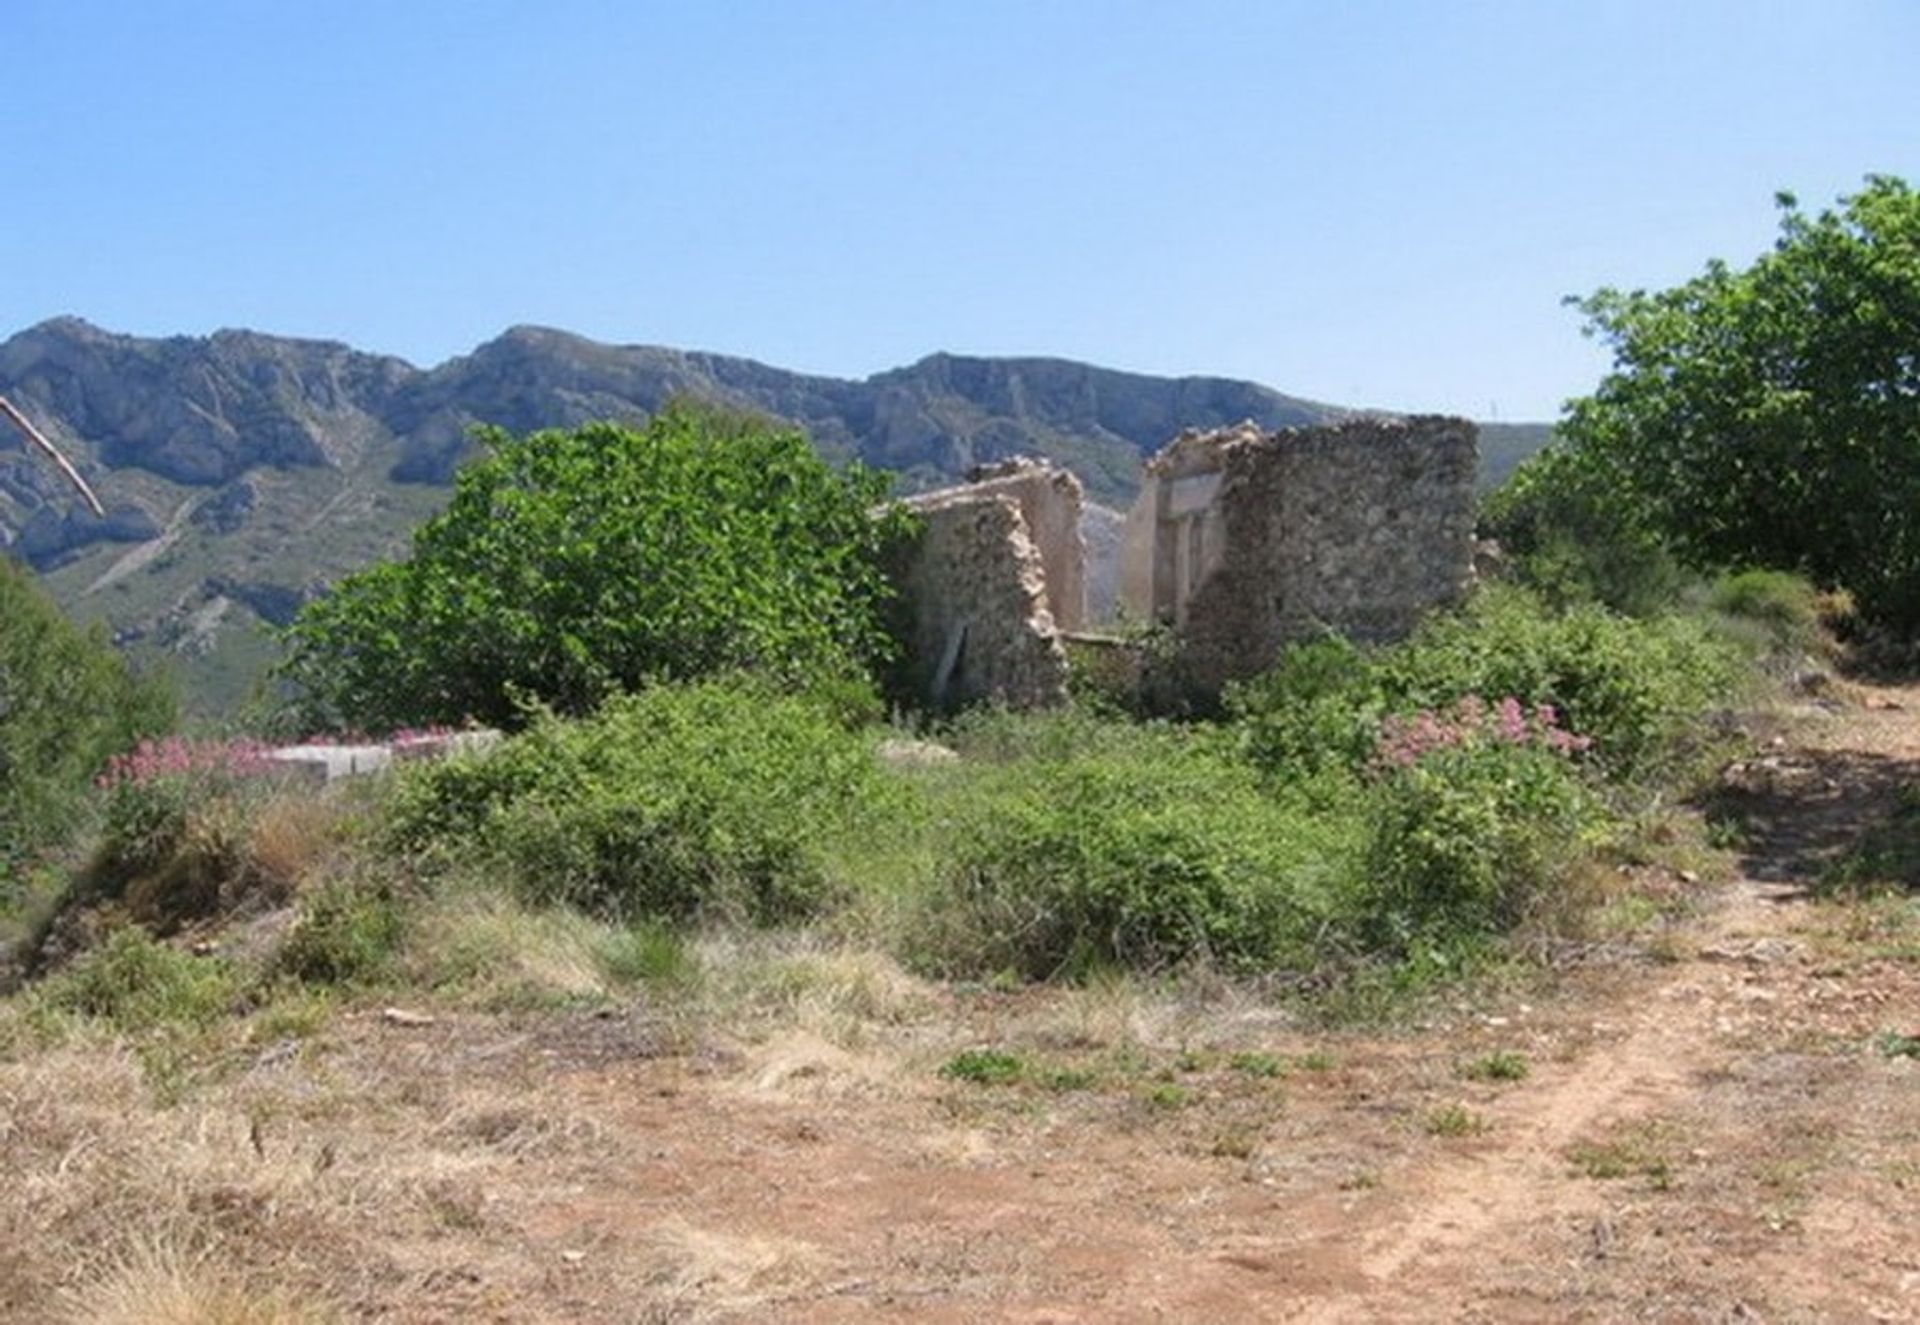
<point x="1244" y="540"/>
<point x="996" y="573"/>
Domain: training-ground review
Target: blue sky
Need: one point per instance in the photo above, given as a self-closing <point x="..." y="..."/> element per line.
<point x="1367" y="203"/>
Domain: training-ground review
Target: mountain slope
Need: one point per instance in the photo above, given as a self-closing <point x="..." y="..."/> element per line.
<point x="242" y="471"/>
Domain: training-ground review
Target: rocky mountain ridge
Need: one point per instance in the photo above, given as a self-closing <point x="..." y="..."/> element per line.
<point x="242" y="471"/>
<point x="205" y="410"/>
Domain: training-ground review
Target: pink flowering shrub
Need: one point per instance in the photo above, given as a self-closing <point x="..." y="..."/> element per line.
<point x="155" y="792"/>
<point x="1474" y="810"/>
<point x="1403" y="741"/>
<point x="185" y="758"/>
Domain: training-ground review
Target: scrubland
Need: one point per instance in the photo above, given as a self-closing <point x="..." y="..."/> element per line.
<point x="734" y="1003"/>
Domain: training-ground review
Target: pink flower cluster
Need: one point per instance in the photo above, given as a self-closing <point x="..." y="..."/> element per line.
<point x="1404" y="741"/>
<point x="182" y="757"/>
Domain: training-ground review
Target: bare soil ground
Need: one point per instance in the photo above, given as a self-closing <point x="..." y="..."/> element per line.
<point x="1717" y="1126"/>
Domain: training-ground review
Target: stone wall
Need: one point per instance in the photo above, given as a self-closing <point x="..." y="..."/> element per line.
<point x="1051" y="502"/>
<point x="981" y="585"/>
<point x="1243" y="540"/>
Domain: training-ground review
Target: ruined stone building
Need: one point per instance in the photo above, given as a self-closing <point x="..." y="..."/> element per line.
<point x="1241" y="541"/>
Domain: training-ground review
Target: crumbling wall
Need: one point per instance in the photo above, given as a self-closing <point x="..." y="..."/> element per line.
<point x="1051" y="501"/>
<point x="974" y="614"/>
<point x="1244" y="541"/>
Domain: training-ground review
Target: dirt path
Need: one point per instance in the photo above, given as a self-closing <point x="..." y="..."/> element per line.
<point x="1463" y="1217"/>
<point x="1709" y="1138"/>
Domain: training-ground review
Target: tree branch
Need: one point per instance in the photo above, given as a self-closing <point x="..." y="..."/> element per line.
<point x="33" y="435"/>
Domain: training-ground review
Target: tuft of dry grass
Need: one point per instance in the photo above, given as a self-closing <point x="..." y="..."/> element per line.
<point x="159" y="1282"/>
<point x="291" y="838"/>
<point x="709" y="1273"/>
<point x="844" y="997"/>
<point x="495" y="951"/>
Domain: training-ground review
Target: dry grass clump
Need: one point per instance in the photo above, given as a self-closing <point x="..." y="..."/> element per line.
<point x="151" y="1282"/>
<point x="708" y="1274"/>
<point x="487" y="947"/>
<point x="291" y="838"/>
<point x="765" y="985"/>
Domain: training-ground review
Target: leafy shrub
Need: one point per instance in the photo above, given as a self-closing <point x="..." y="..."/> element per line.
<point x="573" y="565"/>
<point x="67" y="702"/>
<point x="346" y="932"/>
<point x="1472" y="722"/>
<point x="1561" y="520"/>
<point x="1318" y="709"/>
<point x="720" y="798"/>
<point x="154" y="791"/>
<point x="1785" y="608"/>
<point x="179" y="835"/>
<point x="133" y="982"/>
<point x="998" y="737"/>
<point x="1466" y="834"/>
<point x="1144" y="850"/>
<point x="1629" y="686"/>
<point x="1779" y="598"/>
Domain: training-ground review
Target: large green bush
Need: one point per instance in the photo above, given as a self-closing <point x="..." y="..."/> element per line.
<point x="572" y="565"/>
<point x="1136" y="846"/>
<point x="1632" y="686"/>
<point x="1777" y="612"/>
<point x="1561" y="520"/>
<point x="67" y="702"/>
<point x="1465" y="836"/>
<point x="721" y="799"/>
<point x="1317" y="710"/>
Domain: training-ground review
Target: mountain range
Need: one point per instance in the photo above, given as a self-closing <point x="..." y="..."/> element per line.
<point x="242" y="472"/>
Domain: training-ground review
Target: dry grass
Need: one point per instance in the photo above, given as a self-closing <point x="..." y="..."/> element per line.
<point x="767" y="985"/>
<point x="791" y="1143"/>
<point x="706" y="1273"/>
<point x="160" y="1283"/>
<point x="495" y="951"/>
<point x="299" y="1179"/>
<point x="292" y="837"/>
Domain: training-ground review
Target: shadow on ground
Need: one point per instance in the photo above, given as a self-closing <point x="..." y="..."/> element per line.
<point x="1802" y="816"/>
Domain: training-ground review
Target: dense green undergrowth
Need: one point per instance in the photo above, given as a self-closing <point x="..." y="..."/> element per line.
<point x="67" y="702"/>
<point x="716" y="801"/>
<point x="1359" y="818"/>
<point x="1354" y="813"/>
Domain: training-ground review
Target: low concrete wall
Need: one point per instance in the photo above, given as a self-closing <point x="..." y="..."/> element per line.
<point x="330" y="763"/>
